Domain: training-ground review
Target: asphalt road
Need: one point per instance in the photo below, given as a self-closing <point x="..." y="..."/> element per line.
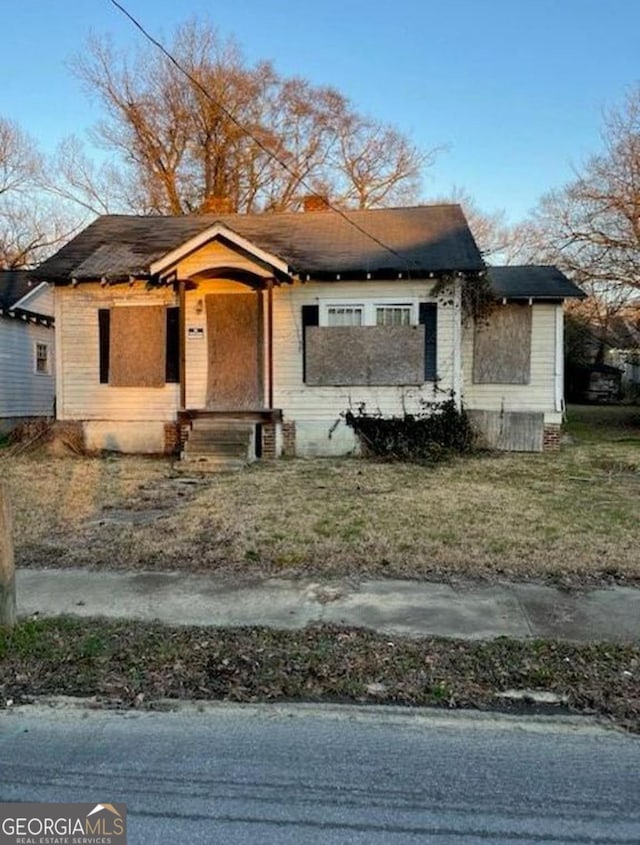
<point x="266" y="774"/>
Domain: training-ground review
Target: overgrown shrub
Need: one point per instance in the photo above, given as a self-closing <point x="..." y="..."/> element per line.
<point x="437" y="431"/>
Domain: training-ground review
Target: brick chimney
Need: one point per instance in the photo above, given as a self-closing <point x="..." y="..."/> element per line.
<point x="316" y="202"/>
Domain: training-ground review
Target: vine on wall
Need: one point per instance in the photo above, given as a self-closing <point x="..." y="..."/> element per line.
<point x="439" y="430"/>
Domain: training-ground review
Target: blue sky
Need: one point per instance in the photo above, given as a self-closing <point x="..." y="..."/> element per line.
<point x="515" y="89"/>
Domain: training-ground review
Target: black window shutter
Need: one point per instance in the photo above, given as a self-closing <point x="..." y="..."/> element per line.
<point x="104" y="332"/>
<point x="172" y="352"/>
<point x="310" y="317"/>
<point x="429" y="319"/>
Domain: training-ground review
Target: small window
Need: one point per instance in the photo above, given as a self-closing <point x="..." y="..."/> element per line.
<point x="345" y="315"/>
<point x="381" y="312"/>
<point x="393" y="315"/>
<point x="42" y="358"/>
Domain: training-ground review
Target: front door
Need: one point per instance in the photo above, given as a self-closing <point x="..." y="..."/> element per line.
<point x="234" y="365"/>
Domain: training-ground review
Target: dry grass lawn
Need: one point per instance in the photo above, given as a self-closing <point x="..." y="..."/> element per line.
<point x="572" y="517"/>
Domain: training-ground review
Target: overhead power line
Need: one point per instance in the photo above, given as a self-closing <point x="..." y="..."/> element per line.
<point x="246" y="131"/>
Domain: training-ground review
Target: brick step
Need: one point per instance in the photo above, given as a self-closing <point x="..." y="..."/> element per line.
<point x="219" y="444"/>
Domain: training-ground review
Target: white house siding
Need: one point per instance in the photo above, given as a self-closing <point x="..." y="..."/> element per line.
<point x="204" y="260"/>
<point x="541" y="394"/>
<point x="132" y="419"/>
<point x="317" y="411"/>
<point x="118" y="418"/>
<point x="23" y="392"/>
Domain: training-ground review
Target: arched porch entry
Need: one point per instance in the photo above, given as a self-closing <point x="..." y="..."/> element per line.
<point x="225" y="294"/>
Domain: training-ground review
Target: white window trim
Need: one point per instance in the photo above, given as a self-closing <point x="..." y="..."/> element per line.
<point x="368" y="308"/>
<point x="38" y="372"/>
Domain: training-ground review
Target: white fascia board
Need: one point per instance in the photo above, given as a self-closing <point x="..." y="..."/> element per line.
<point x="212" y="233"/>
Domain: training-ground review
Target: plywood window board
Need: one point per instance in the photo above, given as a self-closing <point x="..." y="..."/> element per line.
<point x="502" y="346"/>
<point x="365" y="355"/>
<point x="137" y="345"/>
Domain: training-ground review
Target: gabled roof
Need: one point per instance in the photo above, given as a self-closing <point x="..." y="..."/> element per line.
<point x="383" y="242"/>
<point x="532" y="281"/>
<point x="15" y="286"/>
<point x="222" y="233"/>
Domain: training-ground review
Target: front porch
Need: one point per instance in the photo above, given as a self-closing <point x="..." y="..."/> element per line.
<point x="228" y="439"/>
<point x="226" y="371"/>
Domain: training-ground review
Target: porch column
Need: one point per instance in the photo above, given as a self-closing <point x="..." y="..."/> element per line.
<point x="270" y="342"/>
<point x="182" y="320"/>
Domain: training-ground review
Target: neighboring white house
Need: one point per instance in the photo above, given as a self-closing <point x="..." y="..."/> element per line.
<point x="170" y="326"/>
<point x="27" y="361"/>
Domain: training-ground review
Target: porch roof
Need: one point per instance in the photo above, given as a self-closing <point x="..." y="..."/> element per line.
<point x="532" y="281"/>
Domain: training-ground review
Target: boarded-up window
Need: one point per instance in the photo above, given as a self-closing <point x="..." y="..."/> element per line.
<point x="137" y="347"/>
<point x="364" y="355"/>
<point x="502" y="346"/>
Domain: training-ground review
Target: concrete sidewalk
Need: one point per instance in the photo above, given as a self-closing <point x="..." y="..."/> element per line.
<point x="410" y="608"/>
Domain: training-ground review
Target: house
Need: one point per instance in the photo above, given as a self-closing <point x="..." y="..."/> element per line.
<point x="513" y="358"/>
<point x="27" y="381"/>
<point x="213" y="328"/>
<point x="599" y="383"/>
<point x="603" y="351"/>
<point x="622" y="350"/>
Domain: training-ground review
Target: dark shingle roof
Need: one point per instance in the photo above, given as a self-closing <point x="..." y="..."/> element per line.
<point x="532" y="281"/>
<point x="14" y="284"/>
<point x="421" y="239"/>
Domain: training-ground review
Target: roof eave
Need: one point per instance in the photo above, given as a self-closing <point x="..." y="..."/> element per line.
<point x="384" y="274"/>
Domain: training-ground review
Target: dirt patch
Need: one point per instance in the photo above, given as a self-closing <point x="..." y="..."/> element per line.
<point x="127" y="664"/>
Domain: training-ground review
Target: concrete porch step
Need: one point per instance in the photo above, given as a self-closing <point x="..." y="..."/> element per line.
<point x="238" y="449"/>
<point x="219" y="444"/>
<point x="226" y="436"/>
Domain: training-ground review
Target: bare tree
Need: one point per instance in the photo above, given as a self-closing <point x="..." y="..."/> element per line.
<point x="592" y="226"/>
<point x="377" y="164"/>
<point x="226" y="132"/>
<point x="73" y="179"/>
<point x="32" y="225"/>
<point x="19" y="160"/>
<point x="32" y="228"/>
<point x="498" y="241"/>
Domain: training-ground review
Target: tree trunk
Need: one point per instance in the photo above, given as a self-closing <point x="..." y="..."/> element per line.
<point x="7" y="568"/>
